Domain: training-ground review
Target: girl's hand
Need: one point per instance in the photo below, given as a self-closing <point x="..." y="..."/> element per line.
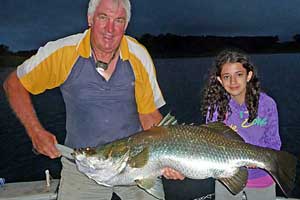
<point x="170" y="173"/>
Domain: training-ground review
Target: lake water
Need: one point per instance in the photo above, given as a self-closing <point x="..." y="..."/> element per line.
<point x="181" y="81"/>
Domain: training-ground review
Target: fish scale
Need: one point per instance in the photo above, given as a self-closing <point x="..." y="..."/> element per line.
<point x="197" y="152"/>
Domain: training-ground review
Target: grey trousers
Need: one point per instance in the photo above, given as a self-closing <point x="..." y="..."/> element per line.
<point x="75" y="185"/>
<point x="269" y="193"/>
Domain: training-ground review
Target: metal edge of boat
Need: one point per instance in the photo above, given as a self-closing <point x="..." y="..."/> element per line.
<point x="35" y="190"/>
<point x="43" y="190"/>
<point x="40" y="190"/>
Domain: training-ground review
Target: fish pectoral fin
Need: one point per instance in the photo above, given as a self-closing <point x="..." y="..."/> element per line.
<point x="153" y="186"/>
<point x="140" y="160"/>
<point x="122" y="162"/>
<point x="237" y="182"/>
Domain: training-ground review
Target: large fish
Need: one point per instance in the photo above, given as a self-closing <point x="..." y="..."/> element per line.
<point x="198" y="152"/>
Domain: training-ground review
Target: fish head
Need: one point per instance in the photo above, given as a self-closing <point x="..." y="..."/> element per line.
<point x="104" y="163"/>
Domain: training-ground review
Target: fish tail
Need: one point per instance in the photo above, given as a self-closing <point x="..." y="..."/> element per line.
<point x="283" y="170"/>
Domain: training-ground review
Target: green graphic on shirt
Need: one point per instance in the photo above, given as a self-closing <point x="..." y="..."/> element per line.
<point x="258" y="121"/>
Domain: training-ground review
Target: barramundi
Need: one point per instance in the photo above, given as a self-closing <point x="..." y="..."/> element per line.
<point x="197" y="152"/>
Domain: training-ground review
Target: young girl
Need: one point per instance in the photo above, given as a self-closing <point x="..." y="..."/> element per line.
<point x="233" y="96"/>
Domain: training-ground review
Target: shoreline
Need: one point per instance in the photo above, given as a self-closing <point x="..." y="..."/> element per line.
<point x="12" y="61"/>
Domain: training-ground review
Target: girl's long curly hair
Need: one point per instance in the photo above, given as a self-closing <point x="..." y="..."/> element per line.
<point x="215" y="96"/>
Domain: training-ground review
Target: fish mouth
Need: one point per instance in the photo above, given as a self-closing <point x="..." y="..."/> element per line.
<point x="89" y="151"/>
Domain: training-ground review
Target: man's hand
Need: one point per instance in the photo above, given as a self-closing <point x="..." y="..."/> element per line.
<point x="20" y="101"/>
<point x="44" y="143"/>
<point x="151" y="119"/>
<point x="170" y="173"/>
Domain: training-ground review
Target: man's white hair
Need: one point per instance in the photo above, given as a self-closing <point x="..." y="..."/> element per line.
<point x="126" y="4"/>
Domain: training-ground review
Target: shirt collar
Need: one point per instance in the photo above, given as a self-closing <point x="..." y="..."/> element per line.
<point x="84" y="45"/>
<point x="237" y="106"/>
<point x="124" y="49"/>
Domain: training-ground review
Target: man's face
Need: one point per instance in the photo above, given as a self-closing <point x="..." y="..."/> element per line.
<point x="108" y="25"/>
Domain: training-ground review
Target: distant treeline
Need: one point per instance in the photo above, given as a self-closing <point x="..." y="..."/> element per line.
<point x="170" y="45"/>
<point x="13" y="59"/>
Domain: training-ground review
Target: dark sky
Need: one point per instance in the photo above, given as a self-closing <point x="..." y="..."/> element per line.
<point x="28" y="24"/>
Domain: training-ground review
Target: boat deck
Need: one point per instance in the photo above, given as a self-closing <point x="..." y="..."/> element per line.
<point x="38" y="190"/>
<point x="35" y="190"/>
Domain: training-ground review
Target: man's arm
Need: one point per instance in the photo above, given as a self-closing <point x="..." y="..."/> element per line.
<point x="20" y="101"/>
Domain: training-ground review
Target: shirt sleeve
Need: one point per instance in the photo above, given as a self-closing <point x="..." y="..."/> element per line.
<point x="214" y="118"/>
<point x="48" y="68"/>
<point x="271" y="136"/>
<point x="147" y="92"/>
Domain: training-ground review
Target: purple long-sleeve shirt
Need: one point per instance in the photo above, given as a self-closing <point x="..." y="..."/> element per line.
<point x="262" y="131"/>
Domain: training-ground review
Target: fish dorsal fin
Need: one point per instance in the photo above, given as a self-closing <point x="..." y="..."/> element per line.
<point x="153" y="186"/>
<point x="237" y="182"/>
<point x="222" y="129"/>
<point x="168" y="120"/>
<point x="140" y="160"/>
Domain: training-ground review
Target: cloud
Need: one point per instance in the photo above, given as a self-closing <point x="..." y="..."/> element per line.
<point x="29" y="24"/>
<point x="215" y="17"/>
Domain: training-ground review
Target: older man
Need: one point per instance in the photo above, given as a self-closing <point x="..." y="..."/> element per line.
<point x="109" y="87"/>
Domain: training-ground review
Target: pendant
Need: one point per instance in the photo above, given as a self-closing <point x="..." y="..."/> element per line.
<point x="101" y="65"/>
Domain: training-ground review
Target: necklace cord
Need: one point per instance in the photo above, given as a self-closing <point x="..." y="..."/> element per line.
<point x="103" y="65"/>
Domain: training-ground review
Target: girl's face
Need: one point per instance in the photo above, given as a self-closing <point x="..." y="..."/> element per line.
<point x="234" y="79"/>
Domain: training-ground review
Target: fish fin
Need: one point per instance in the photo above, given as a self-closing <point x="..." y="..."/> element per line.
<point x="119" y="152"/>
<point x="153" y="186"/>
<point x="140" y="160"/>
<point x="122" y="162"/>
<point x="222" y="129"/>
<point x="168" y="120"/>
<point x="283" y="170"/>
<point x="237" y="182"/>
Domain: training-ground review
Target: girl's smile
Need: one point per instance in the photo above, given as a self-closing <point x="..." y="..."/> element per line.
<point x="234" y="78"/>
